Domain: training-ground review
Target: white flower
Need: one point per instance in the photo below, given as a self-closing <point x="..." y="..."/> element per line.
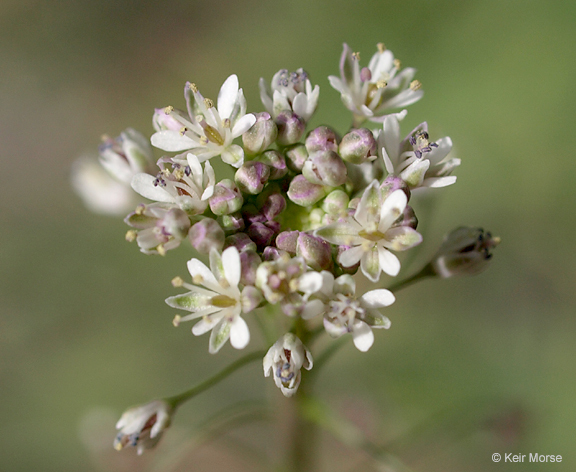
<point x="415" y="159"/>
<point x="369" y="93"/>
<point x="101" y="192"/>
<point x="220" y="303"/>
<point x="290" y="91"/>
<point x="209" y="131"/>
<point x="286" y="281"/>
<point x="370" y="233"/>
<point x="188" y="187"/>
<point x="142" y="426"/>
<point x="126" y="155"/>
<point x="285" y="360"/>
<point x="161" y="227"/>
<point x="345" y="313"/>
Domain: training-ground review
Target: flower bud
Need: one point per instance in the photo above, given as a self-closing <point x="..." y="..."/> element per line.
<point x="285" y="359"/>
<point x="272" y="253"/>
<point x="392" y="183"/>
<point x="325" y="168"/>
<point x="262" y="134"/>
<point x="249" y="261"/>
<point x="296" y="157"/>
<point x="240" y="241"/>
<point x="316" y="252"/>
<point x="321" y="139"/>
<point x="232" y="222"/>
<point x="271" y="202"/>
<point x="336" y="203"/>
<point x="286" y="241"/>
<point x="407" y="218"/>
<point x="205" y="235"/>
<point x="252" y="177"/>
<point x="142" y="426"/>
<point x="305" y="193"/>
<point x="290" y="128"/>
<point x="226" y="199"/>
<point x="127" y="155"/>
<point x="251" y="214"/>
<point x="465" y="251"/>
<point x="358" y="146"/>
<point x="261" y="234"/>
<point x="276" y="162"/>
<point x="251" y="298"/>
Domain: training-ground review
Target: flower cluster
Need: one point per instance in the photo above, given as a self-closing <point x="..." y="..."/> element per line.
<point x="305" y="216"/>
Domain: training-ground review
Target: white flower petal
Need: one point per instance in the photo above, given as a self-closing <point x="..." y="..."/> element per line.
<point x="201" y="275"/>
<point x="243" y="125"/>
<point x="220" y="334"/>
<point x="378" y="298"/>
<point x="239" y="333"/>
<point x="391" y="209"/>
<point x="227" y="96"/>
<point x="310" y="282"/>
<point x="300" y="105"/>
<point x="311" y="309"/>
<point x="144" y="185"/>
<point x="205" y="325"/>
<point x="172" y="141"/>
<point x="370" y="264"/>
<point x="231" y="263"/>
<point x="363" y="336"/>
<point x="437" y="182"/>
<point x="351" y="257"/>
<point x="369" y="207"/>
<point x="389" y="263"/>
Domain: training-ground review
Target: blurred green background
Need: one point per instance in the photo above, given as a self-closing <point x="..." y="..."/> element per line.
<point x="486" y="362"/>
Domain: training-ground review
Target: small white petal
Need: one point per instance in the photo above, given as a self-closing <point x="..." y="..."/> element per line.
<point x="144" y="185"/>
<point x="310" y="282"/>
<point x="389" y="263"/>
<point x="243" y="125"/>
<point x="300" y="105"/>
<point x="391" y="209"/>
<point x="172" y="141"/>
<point x="378" y="298"/>
<point x="363" y="336"/>
<point x="201" y="275"/>
<point x="351" y="257"/>
<point x="227" y="96"/>
<point x="231" y="263"/>
<point x="438" y="182"/>
<point x="205" y="325"/>
<point x="239" y="333"/>
<point x="312" y="309"/>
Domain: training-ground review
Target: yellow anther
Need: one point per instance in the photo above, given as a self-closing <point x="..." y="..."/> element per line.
<point x="496" y="240"/>
<point x="131" y="235"/>
<point x="222" y="301"/>
<point x="161" y="249"/>
<point x="204" y="140"/>
<point x="105" y="137"/>
<point x="356" y="56"/>
<point x="118" y="446"/>
<point x="166" y="172"/>
<point x="199" y="118"/>
<point x="183" y="130"/>
<point x="415" y="85"/>
<point x="381" y="47"/>
<point x="293" y="285"/>
<point x="381" y="84"/>
<point x="177" y="282"/>
<point x="140" y="209"/>
<point x="208" y="103"/>
<point x="397" y="63"/>
<point x="176" y="320"/>
<point x="178" y="173"/>
<point x="197" y="279"/>
<point x="193" y="87"/>
<point x="169" y="109"/>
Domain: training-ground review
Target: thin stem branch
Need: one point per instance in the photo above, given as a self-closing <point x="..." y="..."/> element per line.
<point x="427" y="271"/>
<point x="177" y="400"/>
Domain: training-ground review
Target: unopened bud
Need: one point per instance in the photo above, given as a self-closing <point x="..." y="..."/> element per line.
<point x="251" y="214"/>
<point x="276" y="162"/>
<point x="262" y="134"/>
<point x="322" y="139"/>
<point x="205" y="235"/>
<point x="305" y="193"/>
<point x="336" y="203"/>
<point x="316" y="252"/>
<point x="176" y="223"/>
<point x="296" y="156"/>
<point x="271" y="202"/>
<point x="240" y="241"/>
<point x="290" y="128"/>
<point x="261" y="234"/>
<point x="358" y="146"/>
<point x="226" y="199"/>
<point x="232" y="222"/>
<point x="392" y="183"/>
<point x="252" y="177"/>
<point x="407" y="218"/>
<point x="287" y="240"/>
<point x="325" y="168"/>
<point x="249" y="261"/>
<point x="465" y="251"/>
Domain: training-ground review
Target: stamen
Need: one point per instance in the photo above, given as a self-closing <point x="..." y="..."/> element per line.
<point x="397" y="63"/>
<point x="161" y="249"/>
<point x="204" y="141"/>
<point x="381" y="84"/>
<point x="415" y="85"/>
<point x="187" y="171"/>
<point x="176" y="320"/>
<point x="131" y="235"/>
<point x="177" y="282"/>
<point x="183" y="131"/>
<point x="178" y="173"/>
<point x="193" y="87"/>
<point x="356" y="56"/>
<point x="381" y="47"/>
<point x="140" y="209"/>
<point x="197" y="279"/>
<point x="208" y="103"/>
<point x="226" y="123"/>
<point x="169" y="109"/>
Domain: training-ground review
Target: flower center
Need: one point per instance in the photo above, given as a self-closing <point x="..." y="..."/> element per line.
<point x="371" y="235"/>
<point x="222" y="301"/>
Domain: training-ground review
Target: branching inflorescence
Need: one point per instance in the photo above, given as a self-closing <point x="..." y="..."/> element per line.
<point x="306" y="217"/>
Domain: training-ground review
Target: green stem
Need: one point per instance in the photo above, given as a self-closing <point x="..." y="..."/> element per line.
<point x="427" y="271"/>
<point x="304" y="432"/>
<point x="177" y="400"/>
